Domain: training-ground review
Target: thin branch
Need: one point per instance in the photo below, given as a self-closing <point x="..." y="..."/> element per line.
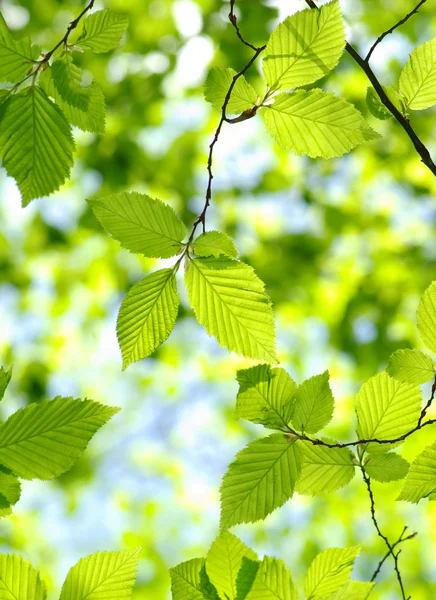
<point x="419" y="146"/>
<point x="234" y="21"/>
<point x="392" y="29"/>
<point x="400" y="540"/>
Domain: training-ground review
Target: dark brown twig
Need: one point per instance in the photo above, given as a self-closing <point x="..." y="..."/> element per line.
<point x="400" y="540"/>
<point x="234" y="21"/>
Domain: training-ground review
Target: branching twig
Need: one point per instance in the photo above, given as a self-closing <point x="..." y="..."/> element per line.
<point x="392" y="29"/>
<point x="400" y="540"/>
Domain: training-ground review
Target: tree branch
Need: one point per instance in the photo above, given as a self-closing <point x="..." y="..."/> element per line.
<point x="400" y="540"/>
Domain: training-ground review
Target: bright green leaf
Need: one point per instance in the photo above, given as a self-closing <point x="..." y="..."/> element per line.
<point x="261" y="479"/>
<point x="229" y="300"/>
<point x="304" y="48"/>
<point x="353" y="590"/>
<point x="273" y="582"/>
<point x="36" y="143"/>
<point x="314" y="404"/>
<point x="16" y="57"/>
<point x="316" y="123"/>
<point x="411" y="366"/>
<point x="376" y="106"/>
<point x="324" y="469"/>
<point x="217" y="85"/>
<point x="386" y="467"/>
<point x="43" y="440"/>
<point x="265" y="396"/>
<point x="10" y="489"/>
<point x="418" y="78"/>
<point x="147" y="315"/>
<point x="427" y="317"/>
<point x="214" y="243"/>
<point x="5" y="378"/>
<point x="189" y="581"/>
<point x="329" y="571"/>
<point x="103" y="30"/>
<point x="140" y="223"/>
<point x="104" y="575"/>
<point x="67" y="78"/>
<point x="421" y="480"/>
<point x="19" y="580"/>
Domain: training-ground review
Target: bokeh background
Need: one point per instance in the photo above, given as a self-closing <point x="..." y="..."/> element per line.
<point x="346" y="247"/>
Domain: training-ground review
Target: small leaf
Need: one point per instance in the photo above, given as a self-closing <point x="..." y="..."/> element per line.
<point x="261" y="479"/>
<point x="304" y="48"/>
<point x="421" y="480"/>
<point x="141" y="224"/>
<point x="273" y="582"/>
<point x="189" y="581"/>
<point x="316" y="123"/>
<point x="353" y="590"/>
<point x="16" y="57"/>
<point x="314" y="404"/>
<point x="376" y="106"/>
<point x="387" y="467"/>
<point x="19" y="580"/>
<point x="147" y="315"/>
<point x="427" y="317"/>
<point x="224" y="561"/>
<point x="217" y="85"/>
<point x="43" y="440"/>
<point x="215" y="243"/>
<point x="36" y="143"/>
<point x="246" y="576"/>
<point x="329" y="571"/>
<point x="418" y="78"/>
<point x="265" y="396"/>
<point x="411" y="366"/>
<point x="108" y="575"/>
<point x="229" y="300"/>
<point x="5" y="378"/>
<point x="67" y="79"/>
<point x="323" y="469"/>
<point x="10" y="489"/>
<point x="103" y="30"/>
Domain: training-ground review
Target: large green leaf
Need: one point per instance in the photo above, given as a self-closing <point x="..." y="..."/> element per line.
<point x="316" y="123"/>
<point x="19" y="580"/>
<point x="265" y="396"/>
<point x="426" y="316"/>
<point x="224" y="561"/>
<point x="43" y="440"/>
<point x="411" y="366"/>
<point x="261" y="479"/>
<point x="304" y="48"/>
<point x="36" y="144"/>
<point x="421" y="480"/>
<point x="140" y="223"/>
<point x="214" y="243"/>
<point x="353" y="590"/>
<point x="189" y="581"/>
<point x="314" y="404"/>
<point x="217" y="85"/>
<point x="386" y="467"/>
<point x="273" y="582"/>
<point x="229" y="300"/>
<point x="103" y="30"/>
<point x="418" y="78"/>
<point x="67" y="79"/>
<point x="104" y="575"/>
<point x="329" y="571"/>
<point x="324" y="469"/>
<point x="147" y="315"/>
<point x="386" y="409"/>
<point x="16" y="57"/>
<point x="5" y="378"/>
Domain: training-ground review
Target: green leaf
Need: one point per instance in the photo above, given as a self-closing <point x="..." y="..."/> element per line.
<point x="411" y="366"/>
<point x="224" y="561"/>
<point x="261" y="479"/>
<point x="214" y="243"/>
<point x="229" y="300"/>
<point x="10" y="489"/>
<point x="36" y="143"/>
<point x="19" y="580"/>
<point x="43" y="440"/>
<point x="103" y="30"/>
<point x="104" y="575"/>
<point x="265" y="396"/>
<point x="329" y="571"/>
<point x="323" y="469"/>
<point x="246" y="576"/>
<point x="386" y="409"/>
<point x="376" y="106"/>
<point x="427" y="317"/>
<point x="314" y="404"/>
<point x="217" y="85"/>
<point x="418" y="78"/>
<point x="316" y="123"/>
<point x="189" y="581"/>
<point x="141" y="224"/>
<point x="353" y="590"/>
<point x="304" y="48"/>
<point x="67" y="79"/>
<point x="273" y="582"/>
<point x="147" y="315"/>
<point x="5" y="378"/>
<point x="387" y="467"/>
<point x="421" y="480"/>
<point x="16" y="57"/>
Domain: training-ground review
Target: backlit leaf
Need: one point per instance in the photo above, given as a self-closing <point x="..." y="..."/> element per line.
<point x="427" y="317"/>
<point x="418" y="78"/>
<point x="353" y="590"/>
<point x="314" y="404"/>
<point x="67" y="79"/>
<point x="215" y="243"/>
<point x="421" y="480"/>
<point x="16" y="57"/>
<point x="386" y="467"/>
<point x="103" y="30"/>
<point x="217" y="85"/>
<point x="329" y="571"/>
<point x="411" y="366"/>
<point x="19" y="580"/>
<point x="5" y="378"/>
<point x="324" y="469"/>
<point x="273" y="582"/>
<point x="376" y="106"/>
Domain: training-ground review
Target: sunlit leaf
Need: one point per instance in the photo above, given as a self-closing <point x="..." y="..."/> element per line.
<point x="386" y="467"/>
<point x="67" y="79"/>
<point x="421" y="480"/>
<point x="411" y="366"/>
<point x="217" y="85"/>
<point x="5" y="378"/>
<point x="189" y="581"/>
<point x="426" y="316"/>
<point x="16" y="57"/>
<point x="273" y="582"/>
<point x="377" y="108"/>
<point x="329" y="571"/>
<point x="19" y="580"/>
<point x="418" y="78"/>
<point x="353" y="590"/>
<point x="324" y="469"/>
<point x="215" y="243"/>
<point x="314" y="404"/>
<point x="103" y="30"/>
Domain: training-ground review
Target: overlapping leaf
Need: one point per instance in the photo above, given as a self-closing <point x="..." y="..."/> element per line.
<point x="421" y="480"/>
<point x="67" y="79"/>
<point x="5" y="378"/>
<point x="324" y="469"/>
<point x="189" y="581"/>
<point x="427" y="317"/>
<point x="418" y="78"/>
<point x="329" y="572"/>
<point x="217" y="85"/>
<point x="273" y="582"/>
<point x="411" y="366"/>
<point x="314" y="404"/>
<point x="19" y="580"/>
<point x="16" y="57"/>
<point x="103" y="30"/>
<point x="353" y="590"/>
<point x="387" y="467"/>
<point x="215" y="243"/>
<point x="10" y="490"/>
<point x="377" y="108"/>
